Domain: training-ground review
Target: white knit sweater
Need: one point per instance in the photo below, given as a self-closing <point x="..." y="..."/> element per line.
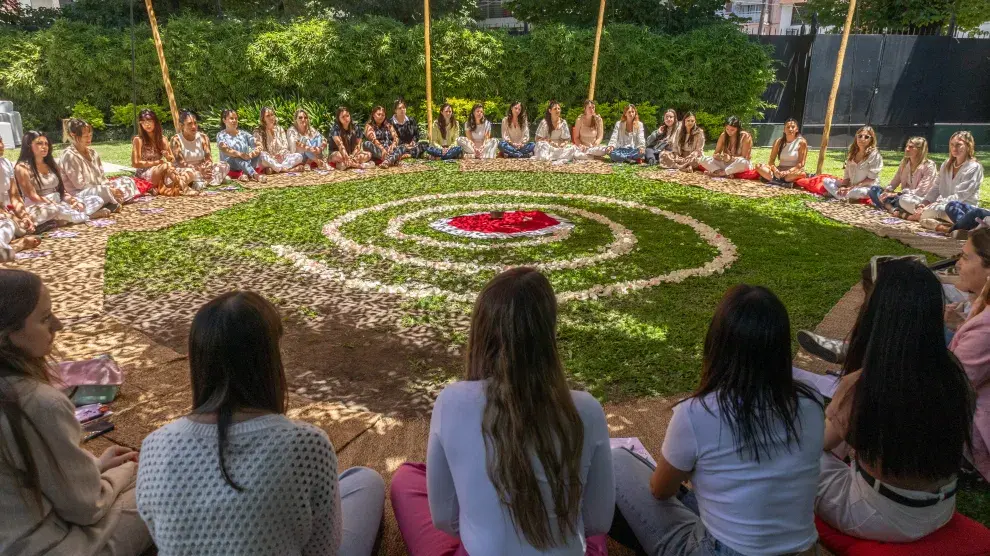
<point x="290" y="504"/>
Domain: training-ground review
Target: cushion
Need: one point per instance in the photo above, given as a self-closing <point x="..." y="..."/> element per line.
<point x="961" y="536"/>
<point x="814" y="185"/>
<point x="747" y="175"/>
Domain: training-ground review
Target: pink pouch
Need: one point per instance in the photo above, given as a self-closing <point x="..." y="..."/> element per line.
<point x="102" y="370"/>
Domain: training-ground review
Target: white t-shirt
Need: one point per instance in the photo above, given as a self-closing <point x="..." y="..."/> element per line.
<point x="463" y="500"/>
<point x="6" y="179"/>
<point x="753" y="508"/>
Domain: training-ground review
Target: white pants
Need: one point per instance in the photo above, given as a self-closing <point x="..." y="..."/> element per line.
<point x="60" y="211"/>
<point x="832" y="186"/>
<point x="125" y="188"/>
<point x="488" y="150"/>
<point x="734" y="166"/>
<point x="601" y="151"/>
<point x="8" y="231"/>
<point x="909" y="203"/>
<point x="289" y="162"/>
<point x="96" y="194"/>
<point x="847" y="502"/>
<point x="547" y="152"/>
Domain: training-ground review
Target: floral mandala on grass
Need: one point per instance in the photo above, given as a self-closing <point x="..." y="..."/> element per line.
<point x="624" y="243"/>
<point x="508" y="225"/>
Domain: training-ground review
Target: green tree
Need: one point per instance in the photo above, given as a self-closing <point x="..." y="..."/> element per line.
<point x="920" y="16"/>
<point x="671" y="16"/>
<point x="407" y="11"/>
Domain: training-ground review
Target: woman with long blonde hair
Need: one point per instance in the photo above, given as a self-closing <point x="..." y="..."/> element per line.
<point x="959" y="179"/>
<point x="915" y="176"/>
<point x="862" y="168"/>
<point x="588" y="134"/>
<point x="538" y="478"/>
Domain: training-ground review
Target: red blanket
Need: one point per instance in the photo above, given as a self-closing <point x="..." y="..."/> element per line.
<point x="512" y="222"/>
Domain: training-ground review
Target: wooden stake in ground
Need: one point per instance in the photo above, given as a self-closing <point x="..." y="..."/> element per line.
<point x="161" y="62"/>
<point x="594" y="57"/>
<point x="429" y="69"/>
<point x="835" y="85"/>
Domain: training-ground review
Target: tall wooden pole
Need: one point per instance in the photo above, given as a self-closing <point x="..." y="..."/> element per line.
<point x="429" y="69"/>
<point x="835" y="85"/>
<point x="594" y="57"/>
<point x="163" y="64"/>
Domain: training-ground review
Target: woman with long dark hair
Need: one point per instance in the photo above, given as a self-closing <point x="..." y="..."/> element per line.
<point x="477" y="141"/>
<point x="749" y="440"/>
<point x="732" y="151"/>
<point x="628" y="142"/>
<point x="58" y="498"/>
<point x="16" y="227"/>
<point x="905" y="407"/>
<point x="538" y="477"/>
<point x="553" y="137"/>
<point x="193" y="154"/>
<point x="40" y="186"/>
<point x="792" y="149"/>
<point x="407" y="130"/>
<point x="274" y="481"/>
<point x="381" y="140"/>
<point x="274" y="143"/>
<point x="443" y="136"/>
<point x="659" y="140"/>
<point x="515" y="133"/>
<point x="688" y="146"/>
<point x="345" y="143"/>
<point x="153" y="159"/>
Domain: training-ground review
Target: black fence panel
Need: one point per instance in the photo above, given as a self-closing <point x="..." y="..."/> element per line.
<point x="792" y="57"/>
<point x="965" y="82"/>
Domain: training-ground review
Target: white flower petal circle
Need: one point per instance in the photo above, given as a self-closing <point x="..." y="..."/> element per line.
<point x="727" y="252"/>
<point x="394" y="230"/>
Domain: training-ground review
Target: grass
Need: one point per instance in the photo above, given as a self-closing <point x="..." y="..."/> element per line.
<point x="120" y="153"/>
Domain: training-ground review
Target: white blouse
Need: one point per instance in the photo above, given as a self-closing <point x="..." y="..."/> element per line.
<point x="478" y="135"/>
<point x="518" y="134"/>
<point x="964" y="187"/>
<point x="869" y="168"/>
<point x="622" y="139"/>
<point x="562" y="133"/>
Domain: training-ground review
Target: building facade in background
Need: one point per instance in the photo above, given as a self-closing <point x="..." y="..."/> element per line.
<point x="494" y="14"/>
<point x="780" y="17"/>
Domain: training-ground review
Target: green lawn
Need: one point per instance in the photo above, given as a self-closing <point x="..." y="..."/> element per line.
<point x="120" y="153"/>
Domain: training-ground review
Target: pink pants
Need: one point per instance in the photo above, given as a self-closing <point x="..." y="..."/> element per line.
<point x="412" y="512"/>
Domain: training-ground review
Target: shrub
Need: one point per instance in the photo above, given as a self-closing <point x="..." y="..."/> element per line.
<point x="711" y="123"/>
<point x="124" y="114"/>
<point x="85" y="111"/>
<point x="324" y="63"/>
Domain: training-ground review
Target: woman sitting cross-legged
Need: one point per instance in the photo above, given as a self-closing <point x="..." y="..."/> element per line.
<point x="39" y="185"/>
<point x="408" y="131"/>
<point x="588" y="134"/>
<point x="515" y="133"/>
<point x="477" y="141"/>
<point x="915" y="175"/>
<point x="381" y="140"/>
<point x="732" y="151"/>
<point x="628" y="142"/>
<point x="236" y="476"/>
<point x="958" y="180"/>
<point x="659" y="140"/>
<point x="688" y="146"/>
<point x="82" y="171"/>
<point x="274" y="143"/>
<point x="443" y="136"/>
<point x="749" y="440"/>
<point x="538" y="477"/>
<point x="792" y="149"/>
<point x="306" y="140"/>
<point x="905" y="407"/>
<point x="345" y="146"/>
<point x="553" y="140"/>
<point x="862" y="168"/>
<point x="193" y="153"/>
<point x="971" y="340"/>
<point x="16" y="227"/>
<point x="58" y="498"/>
<point x="153" y="159"/>
<point x="239" y="149"/>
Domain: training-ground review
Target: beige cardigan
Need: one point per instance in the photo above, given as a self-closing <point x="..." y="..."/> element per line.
<point x="79" y="505"/>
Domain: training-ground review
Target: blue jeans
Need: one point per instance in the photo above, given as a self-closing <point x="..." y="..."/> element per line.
<point x="874" y="194"/>
<point x="628" y="154"/>
<point x="508" y="151"/>
<point x="362" y="500"/>
<point x="246" y="166"/>
<point x="660" y="526"/>
<point x="964" y="216"/>
<point x="452" y="152"/>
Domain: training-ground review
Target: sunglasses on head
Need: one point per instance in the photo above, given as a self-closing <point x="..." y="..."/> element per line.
<point x="879" y="260"/>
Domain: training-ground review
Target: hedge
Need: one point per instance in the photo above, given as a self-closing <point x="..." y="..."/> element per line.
<point x="372" y="61"/>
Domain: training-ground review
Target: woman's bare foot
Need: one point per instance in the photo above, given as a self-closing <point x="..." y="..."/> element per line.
<point x="25" y="243"/>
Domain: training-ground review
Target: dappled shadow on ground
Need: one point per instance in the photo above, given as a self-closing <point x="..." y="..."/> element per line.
<point x="739" y="188"/>
<point x="527" y="165"/>
<point x="885" y="225"/>
<point x="312" y="177"/>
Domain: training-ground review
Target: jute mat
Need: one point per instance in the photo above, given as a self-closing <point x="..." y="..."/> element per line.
<point x="529" y="165"/>
<point x="885" y="225"/>
<point x="313" y="177"/>
<point x="739" y="188"/>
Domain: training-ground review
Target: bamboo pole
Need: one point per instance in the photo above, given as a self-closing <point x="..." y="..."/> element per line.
<point x="429" y="69"/>
<point x="594" y="57"/>
<point x="163" y="64"/>
<point x="830" y="110"/>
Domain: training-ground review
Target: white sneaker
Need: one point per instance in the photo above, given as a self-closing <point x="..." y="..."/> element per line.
<point x="827" y="349"/>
